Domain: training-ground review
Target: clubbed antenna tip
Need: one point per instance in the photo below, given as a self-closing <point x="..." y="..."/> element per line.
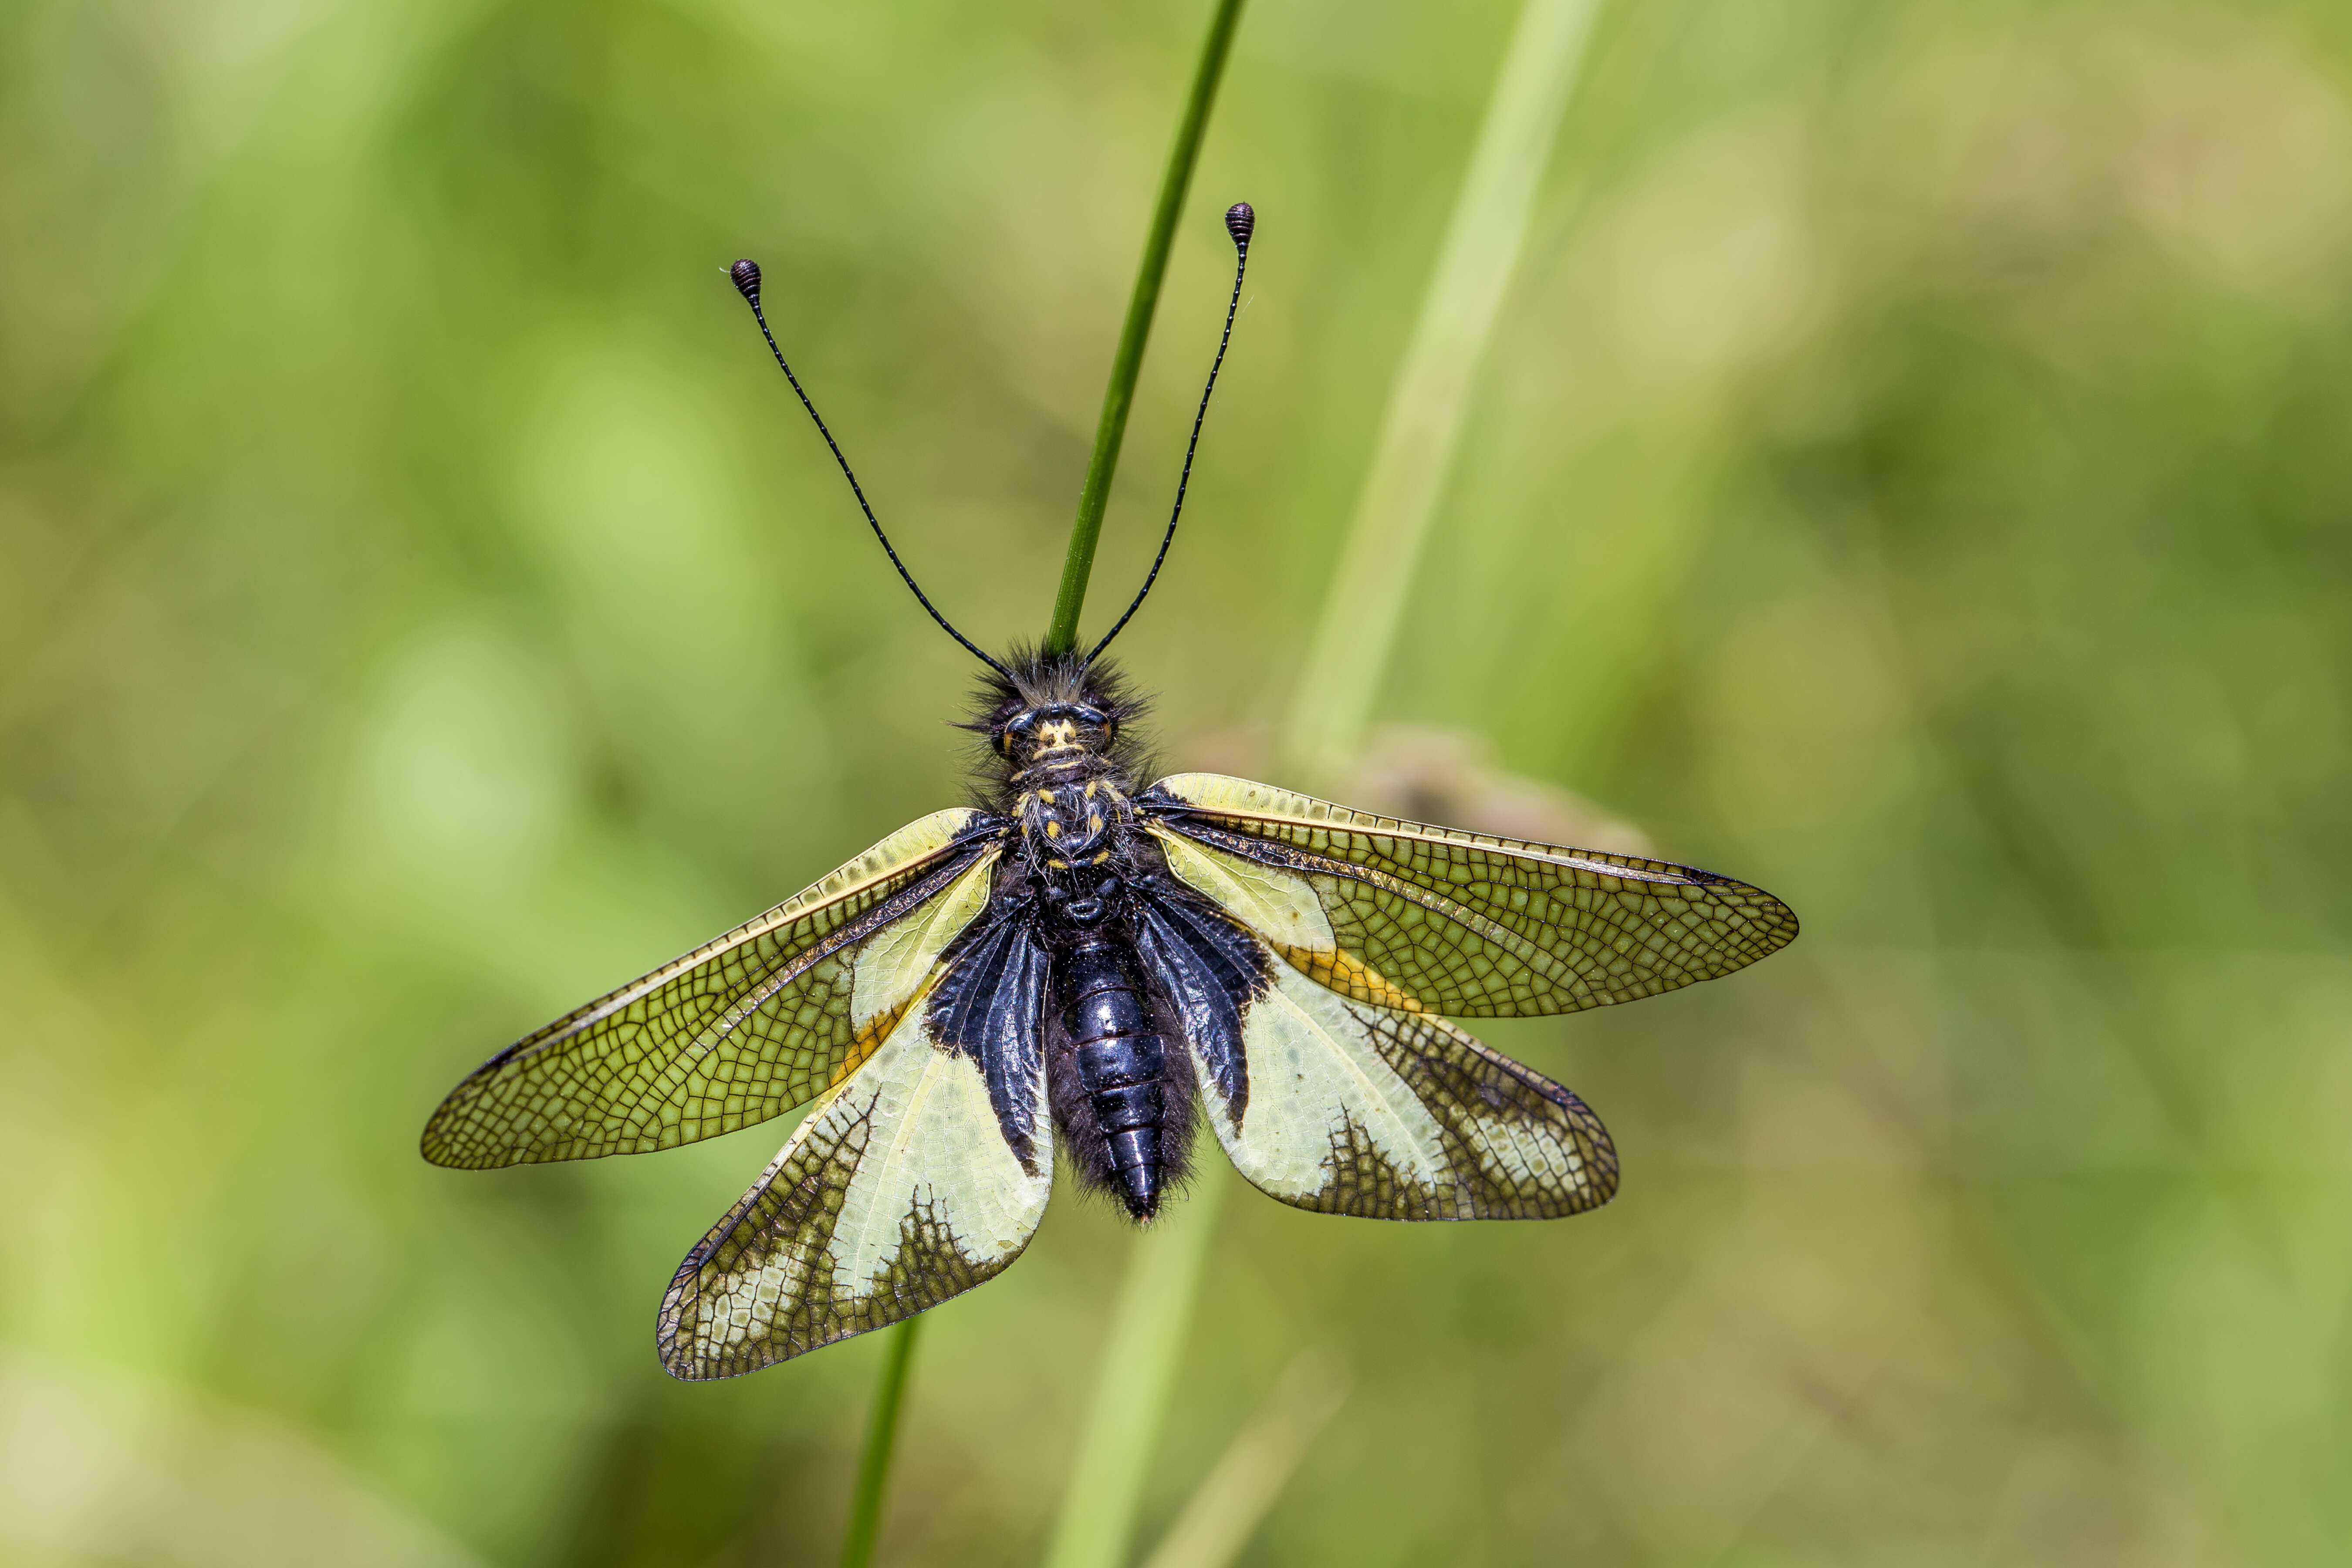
<point x="1239" y="221"/>
<point x="746" y="274"/>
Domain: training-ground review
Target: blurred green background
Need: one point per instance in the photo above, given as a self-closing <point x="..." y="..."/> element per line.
<point x="1913" y="473"/>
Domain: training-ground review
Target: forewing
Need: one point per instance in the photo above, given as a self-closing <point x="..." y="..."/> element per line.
<point x="736" y="1031"/>
<point x="1362" y="1111"/>
<point x="1403" y="914"/>
<point x="922" y="1176"/>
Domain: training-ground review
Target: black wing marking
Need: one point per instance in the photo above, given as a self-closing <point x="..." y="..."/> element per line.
<point x="1210" y="970"/>
<point x="989" y="1004"/>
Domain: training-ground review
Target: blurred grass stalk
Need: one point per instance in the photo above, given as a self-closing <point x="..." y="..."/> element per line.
<point x="1361" y="612"/>
<point x="1139" y="1371"/>
<point x="881" y="1434"/>
<point x="1224" y="1511"/>
<point x="1430" y="395"/>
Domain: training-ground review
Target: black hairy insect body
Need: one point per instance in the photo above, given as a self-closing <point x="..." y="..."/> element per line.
<point x="1063" y="756"/>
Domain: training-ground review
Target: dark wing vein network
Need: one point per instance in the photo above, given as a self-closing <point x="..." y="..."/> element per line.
<point x="1470" y="925"/>
<point x="741" y="1029"/>
<point x="1517" y="1145"/>
<point x="1498" y="1141"/>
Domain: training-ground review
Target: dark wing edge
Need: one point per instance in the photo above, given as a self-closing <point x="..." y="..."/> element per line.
<point x="1528" y="929"/>
<point x="1529" y="1148"/>
<point x="741" y="1029"/>
<point x="920" y="1175"/>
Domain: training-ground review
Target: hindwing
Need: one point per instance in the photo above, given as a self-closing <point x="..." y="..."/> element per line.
<point x="922" y="1174"/>
<point x="1361" y="1110"/>
<point x="1408" y="916"/>
<point x="1339" y="1106"/>
<point x="739" y="1030"/>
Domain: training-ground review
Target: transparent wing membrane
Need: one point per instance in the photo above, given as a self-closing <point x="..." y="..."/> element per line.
<point x="1406" y="915"/>
<point x="736" y="1031"/>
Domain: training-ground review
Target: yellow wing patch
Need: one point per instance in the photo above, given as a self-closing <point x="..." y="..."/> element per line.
<point x="1312" y="1073"/>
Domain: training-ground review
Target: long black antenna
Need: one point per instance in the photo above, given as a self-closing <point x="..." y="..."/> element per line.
<point x="1239" y="223"/>
<point x="746" y="275"/>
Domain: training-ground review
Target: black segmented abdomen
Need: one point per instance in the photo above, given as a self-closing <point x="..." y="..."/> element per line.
<point x="1119" y="1057"/>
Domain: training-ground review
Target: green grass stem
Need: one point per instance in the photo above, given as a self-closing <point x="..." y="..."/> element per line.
<point x="1144" y="1383"/>
<point x="1425" y="407"/>
<point x="1062" y="634"/>
<point x="1110" y="1476"/>
<point x="1214" y="1527"/>
<point x="881" y="1435"/>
